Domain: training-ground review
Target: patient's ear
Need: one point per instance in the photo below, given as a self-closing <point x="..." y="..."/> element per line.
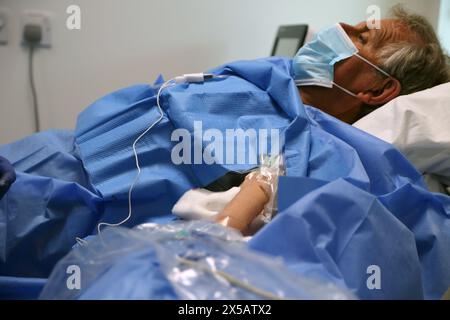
<point x="388" y="90"/>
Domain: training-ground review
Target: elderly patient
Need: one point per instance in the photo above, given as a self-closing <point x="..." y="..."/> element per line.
<point x="403" y="56"/>
<point x="68" y="182"/>
<point x="406" y="51"/>
<point x="347" y="72"/>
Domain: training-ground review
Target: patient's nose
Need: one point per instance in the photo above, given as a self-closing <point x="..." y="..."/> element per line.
<point x="350" y="30"/>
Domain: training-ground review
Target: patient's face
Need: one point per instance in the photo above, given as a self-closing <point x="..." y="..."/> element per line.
<point x="353" y="73"/>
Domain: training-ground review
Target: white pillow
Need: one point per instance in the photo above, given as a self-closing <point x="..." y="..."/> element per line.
<point x="419" y="126"/>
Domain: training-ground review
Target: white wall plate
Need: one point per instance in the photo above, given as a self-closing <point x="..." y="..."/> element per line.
<point x="42" y="19"/>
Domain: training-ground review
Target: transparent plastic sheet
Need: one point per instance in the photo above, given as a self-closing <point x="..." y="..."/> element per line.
<point x="271" y="168"/>
<point x="200" y="260"/>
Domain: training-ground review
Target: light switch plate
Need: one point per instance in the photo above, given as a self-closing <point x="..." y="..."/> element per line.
<point x="4" y="26"/>
<point x="42" y="19"/>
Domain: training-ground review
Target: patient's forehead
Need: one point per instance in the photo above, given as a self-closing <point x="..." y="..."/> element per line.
<point x="390" y="30"/>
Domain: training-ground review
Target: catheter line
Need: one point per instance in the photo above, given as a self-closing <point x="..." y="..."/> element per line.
<point x="130" y="191"/>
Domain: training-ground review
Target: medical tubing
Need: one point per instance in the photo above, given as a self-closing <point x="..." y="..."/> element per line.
<point x="136" y="158"/>
<point x="80" y="241"/>
<point x="232" y="280"/>
<point x="187" y="78"/>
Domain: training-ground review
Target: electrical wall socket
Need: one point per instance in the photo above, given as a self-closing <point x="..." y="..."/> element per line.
<point x="42" y="19"/>
<point x="4" y="26"/>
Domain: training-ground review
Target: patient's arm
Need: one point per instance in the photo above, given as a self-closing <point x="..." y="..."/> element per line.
<point x="246" y="205"/>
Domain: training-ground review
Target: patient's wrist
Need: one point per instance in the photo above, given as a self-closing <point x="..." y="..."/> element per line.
<point x="246" y="205"/>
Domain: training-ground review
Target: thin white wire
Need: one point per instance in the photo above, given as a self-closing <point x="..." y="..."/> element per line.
<point x="136" y="158"/>
<point x="80" y="241"/>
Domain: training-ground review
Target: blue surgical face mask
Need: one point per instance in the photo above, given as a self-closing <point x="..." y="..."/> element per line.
<point x="314" y="63"/>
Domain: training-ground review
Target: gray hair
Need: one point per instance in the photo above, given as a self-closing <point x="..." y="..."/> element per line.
<point x="418" y="65"/>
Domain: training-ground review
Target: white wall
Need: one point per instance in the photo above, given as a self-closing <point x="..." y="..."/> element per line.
<point x="127" y="42"/>
<point x="444" y="24"/>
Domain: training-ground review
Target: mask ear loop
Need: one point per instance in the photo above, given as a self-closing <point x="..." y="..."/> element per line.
<point x="345" y="90"/>
<point x="373" y="65"/>
<point x="369" y="63"/>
